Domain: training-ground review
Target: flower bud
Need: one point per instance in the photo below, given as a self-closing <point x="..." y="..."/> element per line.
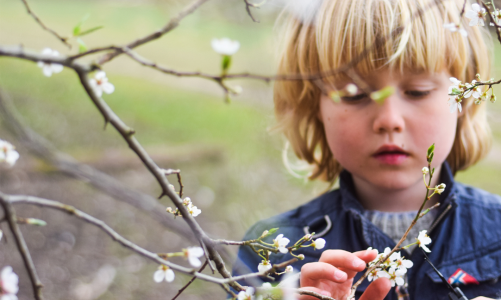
<point x="169" y="210"/>
<point x="264" y="234"/>
<point x="36" y="222"/>
<point x="440" y="188"/>
<point x="289" y="269"/>
<point x="300" y="256"/>
<point x="425" y="170"/>
<point x="493" y="98"/>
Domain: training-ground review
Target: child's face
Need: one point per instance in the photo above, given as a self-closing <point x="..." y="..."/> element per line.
<point x="385" y="144"/>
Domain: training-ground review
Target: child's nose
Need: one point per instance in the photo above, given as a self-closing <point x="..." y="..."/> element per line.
<point x="388" y="118"/>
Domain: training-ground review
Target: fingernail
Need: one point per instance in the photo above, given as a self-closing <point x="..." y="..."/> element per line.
<point x="339" y="275"/>
<point x="357" y="262"/>
<point x="325" y="293"/>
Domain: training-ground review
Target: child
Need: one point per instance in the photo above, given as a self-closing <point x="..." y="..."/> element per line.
<point x="377" y="150"/>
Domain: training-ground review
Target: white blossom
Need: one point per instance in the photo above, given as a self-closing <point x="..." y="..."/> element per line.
<point x="49" y="68"/>
<point x="8" y="284"/>
<point x="423" y="239"/>
<point x="440" y="188"/>
<point x="280" y="242"/>
<point x="266" y="285"/>
<point x="163" y="273"/>
<point x="192" y="254"/>
<point x="8" y="154"/>
<point x="247" y="294"/>
<point x="396" y="276"/>
<point x="193" y="210"/>
<point x="225" y="46"/>
<point x="425" y="170"/>
<point x="476" y="15"/>
<point x="100" y="84"/>
<point x="400" y="263"/>
<point x="318" y="243"/>
<point x="453" y="27"/>
<point x="289" y="269"/>
<point x="265" y="265"/>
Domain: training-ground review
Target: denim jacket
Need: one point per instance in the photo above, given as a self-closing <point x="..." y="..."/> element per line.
<point x="466" y="239"/>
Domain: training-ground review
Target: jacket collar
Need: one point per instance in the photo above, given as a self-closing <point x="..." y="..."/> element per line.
<point x="351" y="202"/>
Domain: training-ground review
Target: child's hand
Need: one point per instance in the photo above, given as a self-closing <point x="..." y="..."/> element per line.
<point x="333" y="275"/>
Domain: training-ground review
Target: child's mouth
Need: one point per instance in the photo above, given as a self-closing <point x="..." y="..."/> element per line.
<point x="392" y="155"/>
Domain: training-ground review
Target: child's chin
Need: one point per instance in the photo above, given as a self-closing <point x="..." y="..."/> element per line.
<point x="394" y="180"/>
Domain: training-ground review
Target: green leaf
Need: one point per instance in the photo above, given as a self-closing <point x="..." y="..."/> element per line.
<point x="382" y="94"/>
<point x="81" y="46"/>
<point x="431" y="149"/>
<point x="90" y="30"/>
<point x="77" y="28"/>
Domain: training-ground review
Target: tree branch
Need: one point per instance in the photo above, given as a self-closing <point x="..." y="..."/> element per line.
<point x="10" y="215"/>
<point x="173" y="23"/>
<point x="37" y="19"/>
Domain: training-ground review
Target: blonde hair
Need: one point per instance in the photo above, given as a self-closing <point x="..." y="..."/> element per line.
<point x="398" y="34"/>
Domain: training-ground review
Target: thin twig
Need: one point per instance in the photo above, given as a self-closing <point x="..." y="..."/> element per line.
<point x="190" y="282"/>
<point x="37" y="19"/>
<point x="248" y="6"/>
<point x="10" y="214"/>
<point x="173" y="23"/>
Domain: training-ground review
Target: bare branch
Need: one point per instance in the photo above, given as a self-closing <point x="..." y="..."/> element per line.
<point x="37" y="19"/>
<point x="43" y="149"/>
<point x="173" y="23"/>
<point x="248" y="6"/>
<point x="10" y="215"/>
<point x="190" y="282"/>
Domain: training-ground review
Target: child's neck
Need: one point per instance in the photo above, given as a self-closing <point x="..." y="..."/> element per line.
<point x="391" y="200"/>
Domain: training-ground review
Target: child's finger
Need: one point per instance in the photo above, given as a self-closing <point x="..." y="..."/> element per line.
<point x="377" y="290"/>
<point x="343" y="259"/>
<point x="311" y="273"/>
<point x="312" y="289"/>
<point x="351" y="263"/>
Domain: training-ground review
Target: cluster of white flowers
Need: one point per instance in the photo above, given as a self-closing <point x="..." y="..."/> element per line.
<point x="8" y="154"/>
<point x="459" y="91"/>
<point x="393" y="268"/>
<point x="225" y="46"/>
<point x="192" y="209"/>
<point x="49" y="68"/>
<point x="100" y="84"/>
<point x="8" y="284"/>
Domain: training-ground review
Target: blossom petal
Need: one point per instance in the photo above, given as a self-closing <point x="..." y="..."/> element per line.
<point x="108" y="88"/>
<point x="195" y="262"/>
<point x="169" y="275"/>
<point x="159" y="275"/>
<point x="47" y="70"/>
<point x="56" y="68"/>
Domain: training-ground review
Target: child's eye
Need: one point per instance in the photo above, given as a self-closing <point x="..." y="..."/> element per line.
<point x="354" y="98"/>
<point x="417" y="94"/>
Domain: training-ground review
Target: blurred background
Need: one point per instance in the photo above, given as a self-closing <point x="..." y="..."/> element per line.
<point x="231" y="164"/>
